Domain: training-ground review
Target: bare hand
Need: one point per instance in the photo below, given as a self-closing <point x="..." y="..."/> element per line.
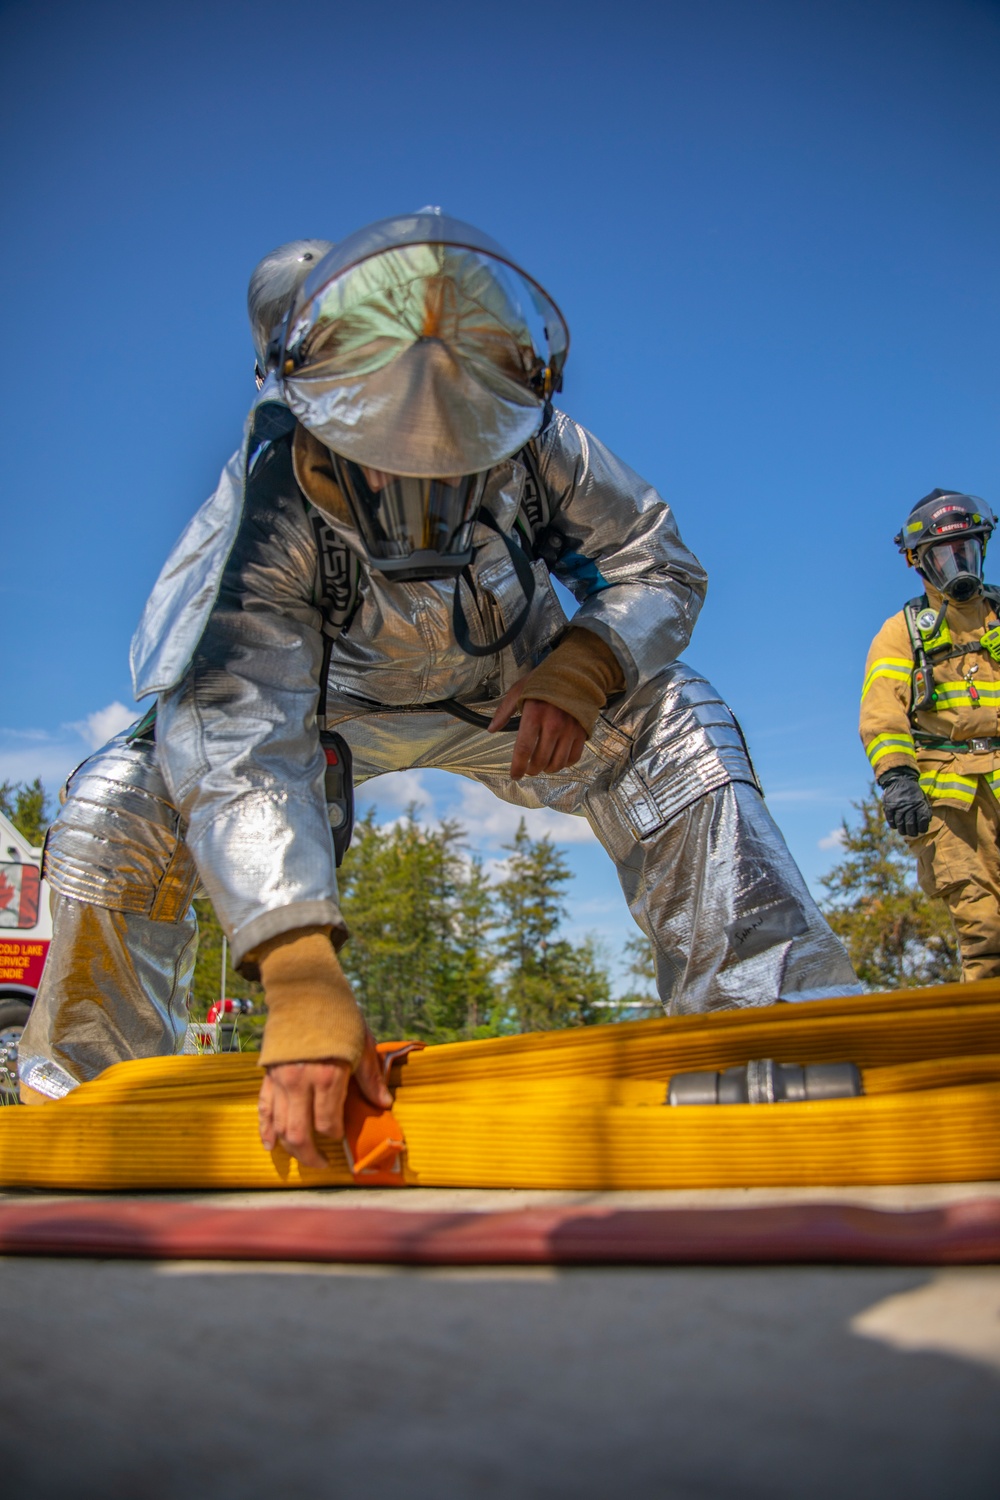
<point x="299" y="1101"/>
<point x="549" y="739"/>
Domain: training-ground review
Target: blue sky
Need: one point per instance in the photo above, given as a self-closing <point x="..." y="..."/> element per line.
<point x="772" y="228"/>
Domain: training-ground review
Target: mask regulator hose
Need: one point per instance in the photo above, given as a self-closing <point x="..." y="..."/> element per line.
<point x="525" y="578"/>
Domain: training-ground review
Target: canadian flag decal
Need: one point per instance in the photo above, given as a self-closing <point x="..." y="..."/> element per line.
<point x="18" y="895"/>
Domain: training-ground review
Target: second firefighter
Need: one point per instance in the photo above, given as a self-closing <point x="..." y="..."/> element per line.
<point x="930" y="719"/>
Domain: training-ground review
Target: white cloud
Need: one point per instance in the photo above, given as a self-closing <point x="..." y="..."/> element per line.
<point x="399" y="789"/>
<point x="99" y="727"/>
<point x="493" y="821"/>
<point x="27" y="753"/>
<point x="23" y="758"/>
<point x="488" y="820"/>
<point x="833" y="840"/>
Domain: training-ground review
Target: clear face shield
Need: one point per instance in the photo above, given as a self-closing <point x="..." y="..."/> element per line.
<point x="412" y="527"/>
<point x="422" y="356"/>
<point x="955" y="567"/>
<point x="417" y="347"/>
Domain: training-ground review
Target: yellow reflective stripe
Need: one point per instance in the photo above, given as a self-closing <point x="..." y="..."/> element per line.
<point x="892" y="737"/>
<point x="942" y="776"/>
<point x="946" y="784"/>
<point x="895" y="674"/>
<point x="889" y="744"/>
<point x="874" y="756"/>
<point x="959" y="689"/>
<point x="897" y="668"/>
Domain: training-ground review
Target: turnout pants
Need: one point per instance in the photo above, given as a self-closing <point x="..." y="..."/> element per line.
<point x="958" y="859"/>
<point x="664" y="782"/>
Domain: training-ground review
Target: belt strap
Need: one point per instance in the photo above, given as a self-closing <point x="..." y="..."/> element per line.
<point x="969" y="747"/>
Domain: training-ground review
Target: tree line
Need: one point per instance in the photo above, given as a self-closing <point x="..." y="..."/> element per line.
<point x="440" y="951"/>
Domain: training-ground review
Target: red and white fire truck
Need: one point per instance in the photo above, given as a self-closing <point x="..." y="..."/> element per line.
<point x="25" y="932"/>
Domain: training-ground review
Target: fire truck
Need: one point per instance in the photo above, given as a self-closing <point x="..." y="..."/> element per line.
<point x="25" y="933"/>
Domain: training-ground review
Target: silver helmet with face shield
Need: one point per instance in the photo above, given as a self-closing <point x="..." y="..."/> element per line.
<point x="945" y="538"/>
<point x="421" y="355"/>
<point x="273" y="285"/>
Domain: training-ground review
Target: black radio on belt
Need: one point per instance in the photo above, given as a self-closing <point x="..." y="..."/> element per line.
<point x="339" y="788"/>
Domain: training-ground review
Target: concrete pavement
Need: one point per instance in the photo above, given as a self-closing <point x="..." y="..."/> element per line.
<point x="150" y="1381"/>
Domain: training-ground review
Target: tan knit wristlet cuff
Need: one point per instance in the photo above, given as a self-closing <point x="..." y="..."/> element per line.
<point x="578" y="677"/>
<point x="312" y="1014"/>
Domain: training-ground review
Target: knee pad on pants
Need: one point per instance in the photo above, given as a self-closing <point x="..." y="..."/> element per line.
<point x="117" y="841"/>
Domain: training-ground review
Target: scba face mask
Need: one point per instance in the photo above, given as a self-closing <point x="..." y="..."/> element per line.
<point x="412" y="527"/>
<point x="954" y="567"/>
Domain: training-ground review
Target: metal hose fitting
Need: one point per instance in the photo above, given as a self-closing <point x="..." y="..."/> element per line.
<point x="764" y="1081"/>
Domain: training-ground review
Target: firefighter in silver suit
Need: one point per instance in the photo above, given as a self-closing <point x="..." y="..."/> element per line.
<point x="377" y="562"/>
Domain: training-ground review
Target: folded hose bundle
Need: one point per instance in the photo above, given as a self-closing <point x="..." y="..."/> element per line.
<point x="586" y="1109"/>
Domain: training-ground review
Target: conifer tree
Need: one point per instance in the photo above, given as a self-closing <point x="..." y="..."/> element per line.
<point x="549" y="982"/>
<point x="475" y="958"/>
<point x="26" y="804"/>
<point x="438" y="952"/>
<point x="640" y="1001"/>
<point x="896" y="936"/>
<point x="402" y="896"/>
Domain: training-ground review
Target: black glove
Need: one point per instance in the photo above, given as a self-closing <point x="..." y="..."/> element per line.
<point x="904" y="804"/>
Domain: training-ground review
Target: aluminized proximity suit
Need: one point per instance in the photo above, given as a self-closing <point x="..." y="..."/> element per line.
<point x="954" y="743"/>
<point x="236" y="641"/>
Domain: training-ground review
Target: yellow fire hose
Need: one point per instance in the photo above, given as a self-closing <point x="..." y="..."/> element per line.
<point x="583" y="1109"/>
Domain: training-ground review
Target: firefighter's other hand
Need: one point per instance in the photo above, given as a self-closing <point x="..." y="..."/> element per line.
<point x="370" y="1076"/>
<point x="549" y="739"/>
<point x="904" y="804"/>
<point x="302" y="1100"/>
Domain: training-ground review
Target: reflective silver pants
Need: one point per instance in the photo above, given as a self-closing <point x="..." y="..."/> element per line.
<point x="664" y="782"/>
<point x="124" y="937"/>
<point x="669" y="791"/>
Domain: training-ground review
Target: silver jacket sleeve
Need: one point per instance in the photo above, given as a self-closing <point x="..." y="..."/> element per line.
<point x="184" y="595"/>
<point x="613" y="541"/>
<point x="237" y="738"/>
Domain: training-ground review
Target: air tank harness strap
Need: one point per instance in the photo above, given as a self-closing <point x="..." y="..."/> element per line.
<point x="932" y="646"/>
<point x="526" y="579"/>
<point x="922" y="676"/>
<point x="969" y="649"/>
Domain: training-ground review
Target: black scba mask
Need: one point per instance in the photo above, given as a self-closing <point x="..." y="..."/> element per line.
<point x="954" y="567"/>
<point x="945" y="538"/>
<point x="417" y="528"/>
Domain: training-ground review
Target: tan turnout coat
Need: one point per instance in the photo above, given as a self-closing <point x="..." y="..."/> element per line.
<point x="966" y="706"/>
